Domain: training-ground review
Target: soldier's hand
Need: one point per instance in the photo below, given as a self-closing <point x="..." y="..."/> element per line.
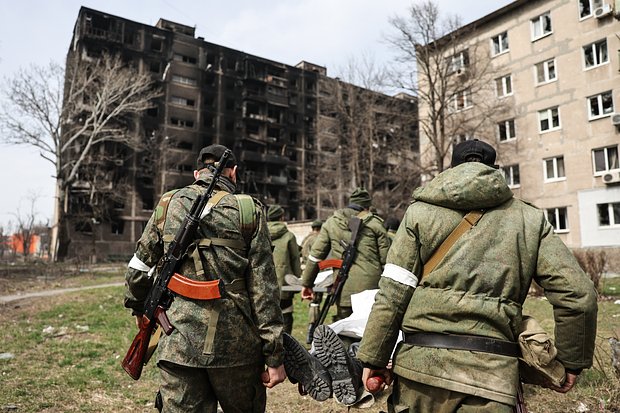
<point x="273" y="376"/>
<point x="569" y="383"/>
<point x="385" y="374"/>
<point x="307" y="293"/>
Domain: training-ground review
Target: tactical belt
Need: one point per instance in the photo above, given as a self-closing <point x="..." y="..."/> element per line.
<point x="201" y="290"/>
<point x="464" y="342"/>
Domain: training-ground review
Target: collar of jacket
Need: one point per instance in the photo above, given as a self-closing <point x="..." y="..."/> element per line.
<point x="205" y="176"/>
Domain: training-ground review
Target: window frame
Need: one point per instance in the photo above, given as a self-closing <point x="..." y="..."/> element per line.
<point x="184" y="80"/>
<point x="540" y="20"/>
<point x="458" y="61"/>
<point x="557" y="218"/>
<point x="600" y="105"/>
<point x="510" y="129"/>
<point x="595" y="53"/>
<point x="500" y="37"/>
<point x="509" y="175"/>
<point x="610" y="215"/>
<point x="549" y="112"/>
<point x="467" y="104"/>
<point x="556" y="160"/>
<point x="609" y="164"/>
<point x="593" y="4"/>
<point x="545" y="68"/>
<point x="506" y="83"/>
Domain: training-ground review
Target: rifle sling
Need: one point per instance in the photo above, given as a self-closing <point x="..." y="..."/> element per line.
<point x="468" y="221"/>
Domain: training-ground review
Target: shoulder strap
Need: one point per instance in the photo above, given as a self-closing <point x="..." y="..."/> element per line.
<point x="466" y="223"/>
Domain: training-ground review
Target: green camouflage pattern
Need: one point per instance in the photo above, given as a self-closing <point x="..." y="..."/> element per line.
<point x="478" y="288"/>
<point x="188" y="389"/>
<point x="285" y="254"/>
<point x="372" y="248"/>
<point x="248" y="322"/>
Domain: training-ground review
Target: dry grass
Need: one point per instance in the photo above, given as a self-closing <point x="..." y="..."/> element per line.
<point x="73" y="370"/>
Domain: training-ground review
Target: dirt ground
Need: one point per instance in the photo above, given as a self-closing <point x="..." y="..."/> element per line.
<point x="284" y="398"/>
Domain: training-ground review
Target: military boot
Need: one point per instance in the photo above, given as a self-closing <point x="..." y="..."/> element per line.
<point x="303" y="368"/>
<point x="345" y="370"/>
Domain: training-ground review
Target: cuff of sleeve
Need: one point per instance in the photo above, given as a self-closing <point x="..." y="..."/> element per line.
<point x="274" y="361"/>
<point x="576" y="372"/>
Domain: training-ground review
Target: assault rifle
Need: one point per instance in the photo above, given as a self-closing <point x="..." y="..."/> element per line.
<point x="344" y="264"/>
<point x="160" y="297"/>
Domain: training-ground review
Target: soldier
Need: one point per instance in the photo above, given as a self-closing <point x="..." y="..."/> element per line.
<point x="307" y="242"/>
<point x="286" y="259"/>
<point x="372" y="247"/>
<point x="462" y="323"/>
<point x="391" y="225"/>
<point x="219" y="348"/>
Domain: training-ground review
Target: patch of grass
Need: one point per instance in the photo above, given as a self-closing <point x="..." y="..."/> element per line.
<point x="597" y="389"/>
<point x="71" y="368"/>
<point x="610" y="286"/>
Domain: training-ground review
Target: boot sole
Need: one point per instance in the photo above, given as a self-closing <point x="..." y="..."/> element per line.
<point x="331" y="353"/>
<point x="298" y="367"/>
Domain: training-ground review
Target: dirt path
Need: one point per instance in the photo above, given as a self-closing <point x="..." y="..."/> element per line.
<point x="20" y="296"/>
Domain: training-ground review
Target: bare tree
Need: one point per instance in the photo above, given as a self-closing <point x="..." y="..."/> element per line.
<point x="69" y="114"/>
<point x="25" y="226"/>
<point x="366" y="138"/>
<point x="451" y="73"/>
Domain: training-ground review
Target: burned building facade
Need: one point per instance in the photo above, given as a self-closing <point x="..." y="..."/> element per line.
<point x="266" y="112"/>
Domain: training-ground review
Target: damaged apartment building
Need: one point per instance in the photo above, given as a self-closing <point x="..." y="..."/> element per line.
<point x="267" y="112"/>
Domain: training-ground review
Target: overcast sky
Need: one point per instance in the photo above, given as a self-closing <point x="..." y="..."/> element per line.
<point x="325" y="32"/>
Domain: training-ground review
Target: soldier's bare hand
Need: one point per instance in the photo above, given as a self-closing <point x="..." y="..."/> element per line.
<point x="307" y="293"/>
<point x="569" y="383"/>
<point x="384" y="374"/>
<point x="273" y="376"/>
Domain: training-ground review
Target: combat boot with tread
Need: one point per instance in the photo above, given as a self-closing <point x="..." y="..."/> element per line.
<point x="345" y="371"/>
<point x="304" y="368"/>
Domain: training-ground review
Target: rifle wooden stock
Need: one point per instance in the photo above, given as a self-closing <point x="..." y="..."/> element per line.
<point x="133" y="361"/>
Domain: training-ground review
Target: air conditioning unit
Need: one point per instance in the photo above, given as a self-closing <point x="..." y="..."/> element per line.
<point x="615" y="119"/>
<point x="611" y="178"/>
<point x="603" y="11"/>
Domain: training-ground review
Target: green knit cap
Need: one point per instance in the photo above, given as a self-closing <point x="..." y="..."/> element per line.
<point x="360" y="197"/>
<point x="274" y="212"/>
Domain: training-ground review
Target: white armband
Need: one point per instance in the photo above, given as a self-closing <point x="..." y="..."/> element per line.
<point x="137" y="264"/>
<point x="314" y="259"/>
<point x="399" y="274"/>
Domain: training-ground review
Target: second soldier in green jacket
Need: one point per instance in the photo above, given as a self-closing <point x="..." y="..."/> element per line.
<point x="286" y="259"/>
<point x="372" y="248"/>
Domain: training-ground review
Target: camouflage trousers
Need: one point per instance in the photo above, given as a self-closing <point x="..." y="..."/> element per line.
<point x="192" y="390"/>
<point x="412" y="397"/>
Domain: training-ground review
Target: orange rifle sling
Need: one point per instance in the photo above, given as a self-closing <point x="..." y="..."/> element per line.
<point x="331" y="263"/>
<point x="197" y="290"/>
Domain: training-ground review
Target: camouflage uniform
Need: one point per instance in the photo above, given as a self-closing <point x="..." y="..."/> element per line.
<point x="219" y="347"/>
<point x="478" y="288"/>
<point x="372" y="248"/>
<point x="286" y="259"/>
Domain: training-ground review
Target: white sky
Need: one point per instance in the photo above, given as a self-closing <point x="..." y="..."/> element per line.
<point x="325" y="32"/>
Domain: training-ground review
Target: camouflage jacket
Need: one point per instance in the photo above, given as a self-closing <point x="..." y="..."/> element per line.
<point x="478" y="288"/>
<point x="243" y="328"/>
<point x="285" y="254"/>
<point x="372" y="248"/>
